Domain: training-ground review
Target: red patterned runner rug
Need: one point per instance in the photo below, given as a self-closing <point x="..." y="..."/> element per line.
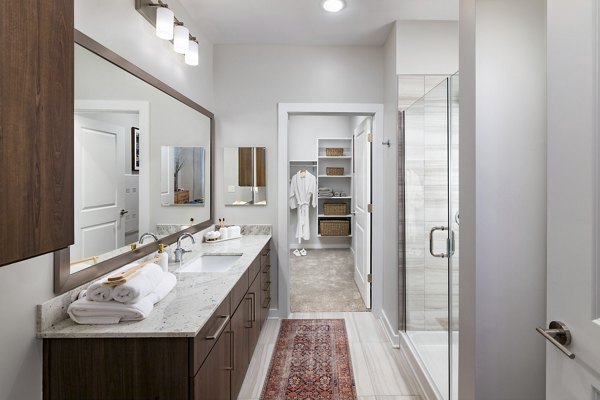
<point x="311" y="361"/>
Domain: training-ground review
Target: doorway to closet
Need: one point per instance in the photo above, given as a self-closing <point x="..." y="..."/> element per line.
<point x="329" y="185"/>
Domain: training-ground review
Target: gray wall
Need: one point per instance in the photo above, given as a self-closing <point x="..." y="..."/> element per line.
<point x="23" y="285"/>
<point x="503" y="199"/>
<point x="249" y="82"/>
<point x="390" y="187"/>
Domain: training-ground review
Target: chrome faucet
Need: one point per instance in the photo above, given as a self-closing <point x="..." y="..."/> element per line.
<point x="179" y="251"/>
<point x="149" y="234"/>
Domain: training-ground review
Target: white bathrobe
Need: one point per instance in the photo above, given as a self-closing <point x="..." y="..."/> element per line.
<point x="303" y="186"/>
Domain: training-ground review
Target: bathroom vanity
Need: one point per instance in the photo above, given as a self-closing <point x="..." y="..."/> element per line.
<point x="196" y="344"/>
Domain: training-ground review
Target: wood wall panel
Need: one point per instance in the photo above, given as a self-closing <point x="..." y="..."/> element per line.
<point x="36" y="128"/>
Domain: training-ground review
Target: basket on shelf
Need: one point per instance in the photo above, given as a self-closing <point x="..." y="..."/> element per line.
<point x="335" y="208"/>
<point x="334" y="227"/>
<point x="335" y="171"/>
<point x="334" y="151"/>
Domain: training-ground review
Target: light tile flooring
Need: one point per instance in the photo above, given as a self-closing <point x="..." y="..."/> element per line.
<point x="380" y="371"/>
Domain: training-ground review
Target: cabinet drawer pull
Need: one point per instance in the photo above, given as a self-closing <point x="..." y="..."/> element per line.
<point x="267" y="303"/>
<point x="267" y="269"/>
<point x="267" y="253"/>
<point x="231" y="352"/>
<point x="248" y="323"/>
<point x="267" y="286"/>
<point x="220" y="329"/>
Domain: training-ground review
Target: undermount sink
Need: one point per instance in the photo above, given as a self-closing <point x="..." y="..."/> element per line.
<point x="211" y="263"/>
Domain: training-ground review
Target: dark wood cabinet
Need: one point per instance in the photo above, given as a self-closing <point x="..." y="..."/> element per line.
<point x="210" y="366"/>
<point x="36" y="128"/>
<point x="213" y="380"/>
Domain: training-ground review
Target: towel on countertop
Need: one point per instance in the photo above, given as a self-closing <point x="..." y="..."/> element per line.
<point x="140" y="285"/>
<point x="98" y="291"/>
<point x="85" y="311"/>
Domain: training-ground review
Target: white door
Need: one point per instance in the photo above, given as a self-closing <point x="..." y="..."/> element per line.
<point x="362" y="217"/>
<point x="573" y="238"/>
<point x="99" y="187"/>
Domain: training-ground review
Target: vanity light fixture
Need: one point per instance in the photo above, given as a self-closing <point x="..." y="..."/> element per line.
<point x="181" y="38"/>
<point x="165" y="19"/>
<point x="168" y="27"/>
<point x="333" y="6"/>
<point x="191" y="57"/>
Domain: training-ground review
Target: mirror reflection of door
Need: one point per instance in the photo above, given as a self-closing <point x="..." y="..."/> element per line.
<point x="106" y="188"/>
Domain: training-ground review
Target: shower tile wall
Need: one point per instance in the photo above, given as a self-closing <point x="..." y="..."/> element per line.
<point x="426" y="201"/>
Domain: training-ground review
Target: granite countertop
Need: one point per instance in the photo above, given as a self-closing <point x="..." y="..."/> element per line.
<point x="189" y="305"/>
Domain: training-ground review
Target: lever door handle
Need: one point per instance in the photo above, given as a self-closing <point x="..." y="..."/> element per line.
<point x="123" y="212"/>
<point x="559" y="335"/>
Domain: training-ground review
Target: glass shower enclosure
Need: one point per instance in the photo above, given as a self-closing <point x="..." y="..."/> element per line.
<point x="431" y="218"/>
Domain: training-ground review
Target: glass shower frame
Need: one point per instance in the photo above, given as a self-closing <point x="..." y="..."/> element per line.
<point x="431" y="230"/>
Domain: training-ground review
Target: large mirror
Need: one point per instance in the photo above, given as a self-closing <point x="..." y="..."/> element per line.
<point x="245" y="176"/>
<point x="126" y="121"/>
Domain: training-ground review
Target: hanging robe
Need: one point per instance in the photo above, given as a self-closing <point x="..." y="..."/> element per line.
<point x="303" y="186"/>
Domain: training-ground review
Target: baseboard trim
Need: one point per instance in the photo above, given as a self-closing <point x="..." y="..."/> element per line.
<point x="424" y="380"/>
<point x="318" y="246"/>
<point x="391" y="333"/>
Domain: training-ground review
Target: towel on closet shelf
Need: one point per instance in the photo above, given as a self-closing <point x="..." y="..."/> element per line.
<point x="85" y="311"/>
<point x="140" y="285"/>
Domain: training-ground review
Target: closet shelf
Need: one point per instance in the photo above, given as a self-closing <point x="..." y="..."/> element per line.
<point x="344" y="236"/>
<point x="335" y="176"/>
<point x="336" y="157"/>
<point x="335" y="216"/>
<point x="335" y="198"/>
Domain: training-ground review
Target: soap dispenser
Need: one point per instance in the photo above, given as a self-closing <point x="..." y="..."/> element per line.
<point x="163" y="258"/>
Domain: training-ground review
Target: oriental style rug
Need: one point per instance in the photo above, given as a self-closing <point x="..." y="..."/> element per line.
<point x="311" y="361"/>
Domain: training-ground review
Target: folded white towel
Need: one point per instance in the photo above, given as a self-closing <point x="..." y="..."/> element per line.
<point x="140" y="285"/>
<point x="84" y="311"/>
<point x="234" y="231"/>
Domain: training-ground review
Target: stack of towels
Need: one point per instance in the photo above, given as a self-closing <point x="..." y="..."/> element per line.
<point x="325" y="192"/>
<point x="132" y="301"/>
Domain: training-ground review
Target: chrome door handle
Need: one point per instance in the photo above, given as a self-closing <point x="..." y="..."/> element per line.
<point x="449" y="242"/>
<point x="559" y="335"/>
<point x="123" y="212"/>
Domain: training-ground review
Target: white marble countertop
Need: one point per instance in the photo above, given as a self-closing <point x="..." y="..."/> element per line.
<point x="187" y="308"/>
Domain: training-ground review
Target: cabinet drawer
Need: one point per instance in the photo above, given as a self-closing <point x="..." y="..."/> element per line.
<point x="265" y="256"/>
<point x="239" y="291"/>
<point x="209" y="334"/>
<point x="254" y="269"/>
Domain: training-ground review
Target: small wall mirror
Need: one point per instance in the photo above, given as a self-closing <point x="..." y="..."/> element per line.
<point x="245" y="181"/>
<point x="182" y="180"/>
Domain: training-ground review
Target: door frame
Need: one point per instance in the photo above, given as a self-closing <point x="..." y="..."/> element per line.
<point x="284" y="111"/>
<point x="142" y="108"/>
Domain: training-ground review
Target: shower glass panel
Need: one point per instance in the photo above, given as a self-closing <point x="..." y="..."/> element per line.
<point x="431" y="215"/>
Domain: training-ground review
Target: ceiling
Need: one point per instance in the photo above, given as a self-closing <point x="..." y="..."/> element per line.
<point x="303" y="22"/>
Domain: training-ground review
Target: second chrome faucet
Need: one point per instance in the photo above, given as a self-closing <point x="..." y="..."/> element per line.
<point x="179" y="251"/>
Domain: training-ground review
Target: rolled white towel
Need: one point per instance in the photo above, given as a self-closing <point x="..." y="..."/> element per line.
<point x="84" y="311"/>
<point x="140" y="285"/>
<point x="224" y="233"/>
<point x="98" y="291"/>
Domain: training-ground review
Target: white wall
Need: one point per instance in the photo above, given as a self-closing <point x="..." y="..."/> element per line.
<point x="427" y="47"/>
<point x="115" y="24"/>
<point x="390" y="191"/>
<point x="503" y="199"/>
<point x="251" y="79"/>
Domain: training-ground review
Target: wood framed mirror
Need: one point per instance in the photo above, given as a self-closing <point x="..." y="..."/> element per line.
<point x="123" y="118"/>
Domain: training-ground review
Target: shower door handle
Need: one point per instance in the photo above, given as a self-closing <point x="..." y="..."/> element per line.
<point x="449" y="242"/>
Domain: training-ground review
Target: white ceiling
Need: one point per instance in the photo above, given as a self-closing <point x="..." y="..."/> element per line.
<point x="303" y="22"/>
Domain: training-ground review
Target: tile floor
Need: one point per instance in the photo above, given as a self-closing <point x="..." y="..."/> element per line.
<point x="380" y="371"/>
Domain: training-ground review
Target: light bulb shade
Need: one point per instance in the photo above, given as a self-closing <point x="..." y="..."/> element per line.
<point x="333" y="5"/>
<point x="164" y="23"/>
<point x="181" y="39"/>
<point x="191" y="57"/>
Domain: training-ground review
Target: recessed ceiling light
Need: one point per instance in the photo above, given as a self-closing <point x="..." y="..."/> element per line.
<point x="333" y="5"/>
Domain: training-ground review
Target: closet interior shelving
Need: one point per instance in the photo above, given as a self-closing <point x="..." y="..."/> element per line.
<point x="339" y="183"/>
